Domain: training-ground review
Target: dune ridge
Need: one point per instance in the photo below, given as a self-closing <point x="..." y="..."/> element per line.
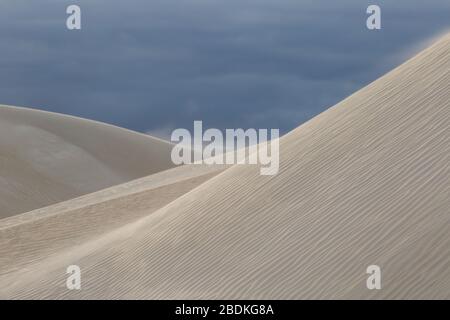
<point x="75" y="221"/>
<point x="366" y="182"/>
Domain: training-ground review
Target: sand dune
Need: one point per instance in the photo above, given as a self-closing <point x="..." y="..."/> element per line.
<point x="46" y="158"/>
<point x="366" y="182"/>
<point x="74" y="221"/>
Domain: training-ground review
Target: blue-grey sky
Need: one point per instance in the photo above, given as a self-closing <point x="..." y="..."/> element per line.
<point x="156" y="65"/>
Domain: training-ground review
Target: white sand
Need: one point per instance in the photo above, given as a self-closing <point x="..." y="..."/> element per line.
<point x="366" y="182"/>
<point x="46" y="158"/>
<point x="84" y="218"/>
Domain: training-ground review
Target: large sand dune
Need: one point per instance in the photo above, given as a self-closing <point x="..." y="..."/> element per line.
<point x="46" y="158"/>
<point x="366" y="182"/>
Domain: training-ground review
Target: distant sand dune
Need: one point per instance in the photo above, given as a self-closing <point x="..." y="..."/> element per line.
<point x="46" y="158"/>
<point x="366" y="182"/>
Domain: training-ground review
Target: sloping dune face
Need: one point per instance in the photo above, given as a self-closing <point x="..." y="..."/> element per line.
<point x="365" y="183"/>
<point x="47" y="158"/>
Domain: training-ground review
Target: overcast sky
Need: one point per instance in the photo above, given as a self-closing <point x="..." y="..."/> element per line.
<point x="156" y="65"/>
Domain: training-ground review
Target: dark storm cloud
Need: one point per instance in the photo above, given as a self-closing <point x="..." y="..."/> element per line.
<point x="160" y="64"/>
